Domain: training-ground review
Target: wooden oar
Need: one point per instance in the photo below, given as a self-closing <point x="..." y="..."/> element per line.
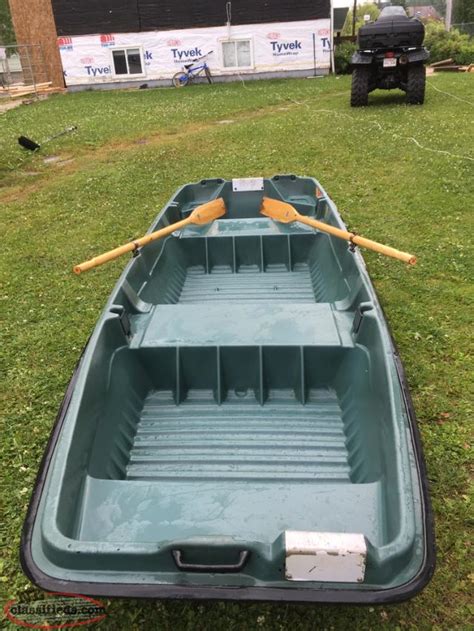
<point x="201" y="215"/>
<point x="286" y="213"/>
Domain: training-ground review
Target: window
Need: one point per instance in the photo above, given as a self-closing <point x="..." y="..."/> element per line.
<point x="237" y="53"/>
<point x="127" y="61"/>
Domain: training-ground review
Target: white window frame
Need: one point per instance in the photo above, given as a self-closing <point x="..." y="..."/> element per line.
<point x="125" y="48"/>
<point x="225" y="40"/>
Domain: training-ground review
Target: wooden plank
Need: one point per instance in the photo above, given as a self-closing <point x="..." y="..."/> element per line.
<point x="443" y="62"/>
<point x="21" y="88"/>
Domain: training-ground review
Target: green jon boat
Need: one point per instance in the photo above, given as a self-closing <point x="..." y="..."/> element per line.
<point x="239" y="424"/>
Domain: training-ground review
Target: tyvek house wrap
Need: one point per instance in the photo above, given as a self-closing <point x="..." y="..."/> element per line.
<point x="287" y="46"/>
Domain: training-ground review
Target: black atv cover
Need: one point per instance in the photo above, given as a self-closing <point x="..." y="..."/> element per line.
<point x="394" y="31"/>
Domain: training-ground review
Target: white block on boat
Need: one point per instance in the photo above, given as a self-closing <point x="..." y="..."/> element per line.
<point x="245" y="184"/>
<point x="325" y="556"/>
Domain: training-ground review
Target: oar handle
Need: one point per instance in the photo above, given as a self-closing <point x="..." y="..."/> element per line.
<point x="129" y="247"/>
<point x="362" y="241"/>
<point x="384" y="249"/>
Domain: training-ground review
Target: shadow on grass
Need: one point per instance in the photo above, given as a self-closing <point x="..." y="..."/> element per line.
<point x="382" y="99"/>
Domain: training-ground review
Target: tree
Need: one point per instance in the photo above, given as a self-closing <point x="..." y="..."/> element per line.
<point x="463" y="11"/>
<point x="440" y="6"/>
<point x="7" y="34"/>
<point x="362" y="9"/>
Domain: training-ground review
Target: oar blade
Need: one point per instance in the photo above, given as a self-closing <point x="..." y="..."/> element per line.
<point x="279" y="211"/>
<point x="208" y="212"/>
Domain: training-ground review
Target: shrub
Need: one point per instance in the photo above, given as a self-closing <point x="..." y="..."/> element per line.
<point x="443" y="45"/>
<point x="465" y="56"/>
<point x="342" y="57"/>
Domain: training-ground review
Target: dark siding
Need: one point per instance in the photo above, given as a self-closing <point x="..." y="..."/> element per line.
<point x="81" y="17"/>
<point x="169" y="14"/>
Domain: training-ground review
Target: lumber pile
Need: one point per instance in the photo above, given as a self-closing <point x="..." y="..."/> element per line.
<point x="448" y="65"/>
<point x="18" y="89"/>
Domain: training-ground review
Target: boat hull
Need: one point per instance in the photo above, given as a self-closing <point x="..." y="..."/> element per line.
<point x="241" y="386"/>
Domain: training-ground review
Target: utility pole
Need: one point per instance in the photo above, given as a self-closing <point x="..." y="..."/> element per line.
<point x="354" y="11"/>
<point x="449" y="12"/>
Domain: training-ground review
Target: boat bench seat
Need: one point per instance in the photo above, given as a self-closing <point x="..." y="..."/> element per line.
<point x="250" y="324"/>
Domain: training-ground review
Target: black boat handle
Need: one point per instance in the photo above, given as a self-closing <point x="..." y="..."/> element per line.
<point x="197" y="567"/>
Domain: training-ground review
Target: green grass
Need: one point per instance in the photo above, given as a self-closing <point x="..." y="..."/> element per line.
<point x="131" y="151"/>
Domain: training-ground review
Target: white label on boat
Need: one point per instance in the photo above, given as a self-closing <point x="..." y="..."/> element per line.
<point x="334" y="557"/>
<point x="239" y="185"/>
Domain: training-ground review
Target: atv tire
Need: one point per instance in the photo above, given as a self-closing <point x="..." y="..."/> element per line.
<point x="360" y="86"/>
<point x="416" y="80"/>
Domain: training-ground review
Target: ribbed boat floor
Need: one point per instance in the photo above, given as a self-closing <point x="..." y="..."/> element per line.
<point x="250" y="284"/>
<point x="281" y="440"/>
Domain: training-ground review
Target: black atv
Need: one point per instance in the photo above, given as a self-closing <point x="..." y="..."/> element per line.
<point x="390" y="55"/>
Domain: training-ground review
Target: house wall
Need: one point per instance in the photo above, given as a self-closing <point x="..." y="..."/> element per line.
<point x="275" y="47"/>
<point x="34" y="23"/>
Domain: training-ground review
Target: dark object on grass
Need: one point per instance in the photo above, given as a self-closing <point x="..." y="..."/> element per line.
<point x="144" y="86"/>
<point x="390" y="55"/>
<point x="27" y="143"/>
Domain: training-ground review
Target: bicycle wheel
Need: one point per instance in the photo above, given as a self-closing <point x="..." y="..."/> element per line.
<point x="208" y="74"/>
<point x="180" y="79"/>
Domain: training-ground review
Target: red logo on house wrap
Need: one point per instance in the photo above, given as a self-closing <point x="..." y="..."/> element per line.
<point x="56" y="611"/>
<point x="64" y="43"/>
<point x="173" y="42"/>
<point x="324" y="32"/>
<point x="86" y="60"/>
<point x="107" y="40"/>
<point x="273" y="35"/>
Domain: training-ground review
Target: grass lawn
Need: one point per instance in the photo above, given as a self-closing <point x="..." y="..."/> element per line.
<point x="401" y="175"/>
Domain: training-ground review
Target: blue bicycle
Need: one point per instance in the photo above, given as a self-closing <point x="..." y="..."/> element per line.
<point x="191" y="71"/>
